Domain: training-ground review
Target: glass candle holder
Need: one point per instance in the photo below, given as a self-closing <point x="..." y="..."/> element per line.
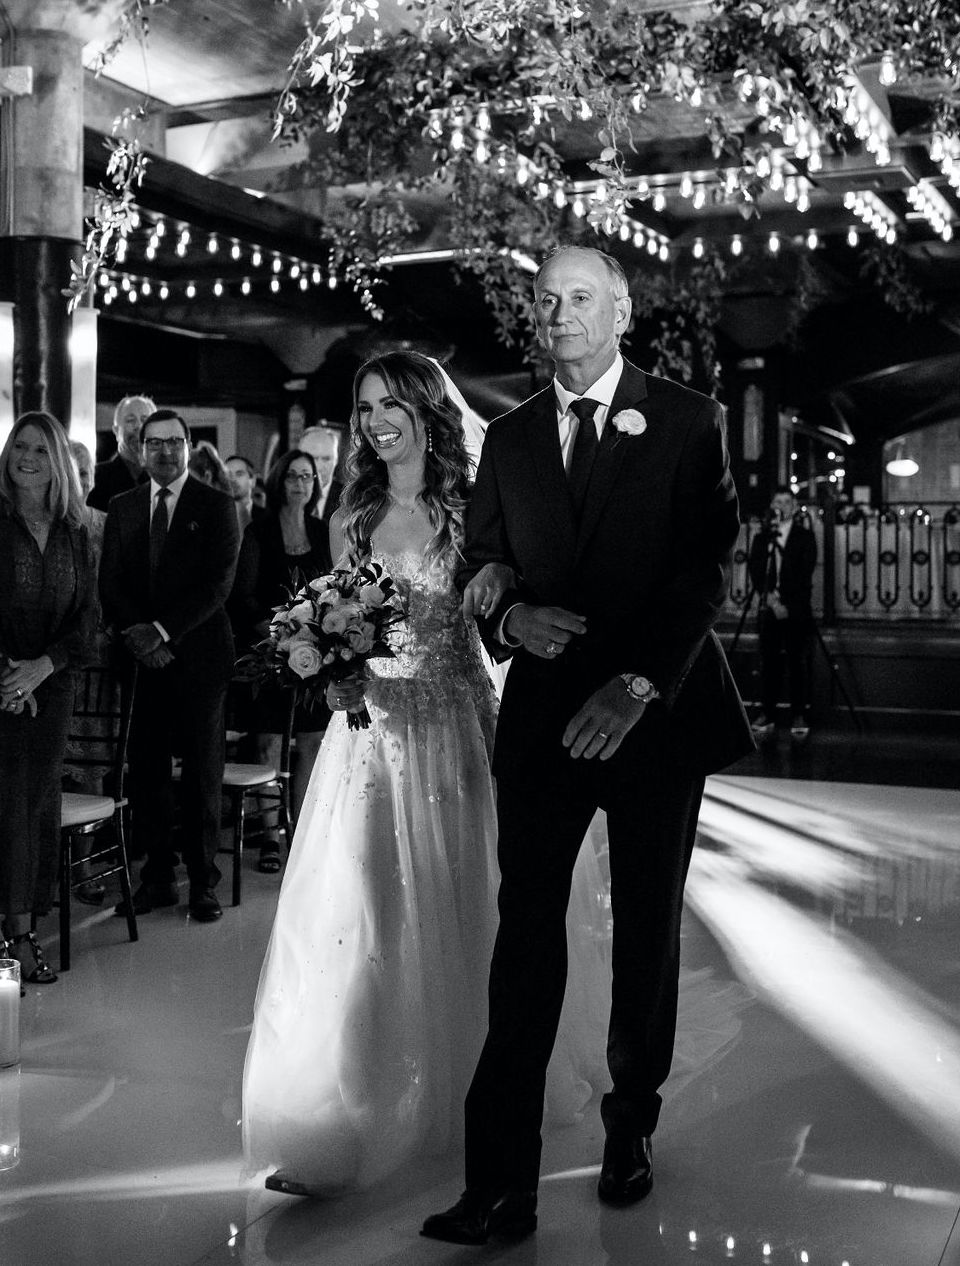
<point x="9" y="1117"/>
<point x="9" y="1012"/>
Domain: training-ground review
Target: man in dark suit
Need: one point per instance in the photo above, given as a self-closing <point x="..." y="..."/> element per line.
<point x="609" y="495"/>
<point x="322" y="443"/>
<point x="169" y="555"/>
<point x="782" y="561"/>
<point x="124" y="469"/>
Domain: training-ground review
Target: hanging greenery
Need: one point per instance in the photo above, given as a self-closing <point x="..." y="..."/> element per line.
<point x="686" y="306"/>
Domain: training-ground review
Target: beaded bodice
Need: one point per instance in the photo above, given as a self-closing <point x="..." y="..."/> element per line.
<point x="438" y="655"/>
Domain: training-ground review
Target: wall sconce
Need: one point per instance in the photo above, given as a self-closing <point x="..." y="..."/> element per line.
<point x="6" y="370"/>
<point x="900" y="465"/>
<point x="83" y="378"/>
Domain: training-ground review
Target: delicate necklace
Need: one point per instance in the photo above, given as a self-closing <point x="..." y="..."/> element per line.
<point x="409" y="506"/>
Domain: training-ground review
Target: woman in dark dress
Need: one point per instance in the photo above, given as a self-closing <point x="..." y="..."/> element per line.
<point x="281" y="551"/>
<point x="46" y="623"/>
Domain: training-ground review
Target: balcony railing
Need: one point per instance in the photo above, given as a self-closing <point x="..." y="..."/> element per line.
<point x="901" y="562"/>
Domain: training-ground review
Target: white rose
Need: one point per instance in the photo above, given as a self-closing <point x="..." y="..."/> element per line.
<point x="304" y="659"/>
<point x="630" y="422"/>
<point x="335" y="620"/>
<point x="371" y="595"/>
<point x="301" y="612"/>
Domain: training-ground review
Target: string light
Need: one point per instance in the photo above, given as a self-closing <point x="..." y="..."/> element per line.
<point x="256" y="258"/>
<point x="736" y="245"/>
<point x="213" y="243"/>
<point x="191" y="290"/>
<point x="245" y="286"/>
<point x="274" y="284"/>
<point x="332" y="282"/>
<point x="160" y="227"/>
<point x="164" y="291"/>
<point x="235" y="250"/>
<point x="294" y="270"/>
<point x="659" y="200"/>
<point x="698" y="248"/>
<point x="218" y="288"/>
<point x="813" y="240"/>
<point x="664" y="252"/>
<point x="888" y="70"/>
<point x="773" y="243"/>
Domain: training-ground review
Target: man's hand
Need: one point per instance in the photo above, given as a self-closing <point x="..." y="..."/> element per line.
<point x="603" y="722"/>
<point x="159" y="658"/>
<point x="142" y="639"/>
<point x="543" y="631"/>
<point x="482" y="595"/>
<point x="25" y="704"/>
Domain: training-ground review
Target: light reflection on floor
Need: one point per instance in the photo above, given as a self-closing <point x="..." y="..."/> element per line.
<point x="813" y="1115"/>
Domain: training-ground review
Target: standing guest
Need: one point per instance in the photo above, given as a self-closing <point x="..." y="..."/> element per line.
<point x="93" y="518"/>
<point x="124" y="469"/>
<point x="46" y="606"/>
<point x="282" y="550"/>
<point x="322" y="443"/>
<point x="242" y="476"/>
<point x="206" y="464"/>
<point x="169" y="556"/>
<point x="609" y="494"/>
<point x="259" y="494"/>
<point x="782" y="561"/>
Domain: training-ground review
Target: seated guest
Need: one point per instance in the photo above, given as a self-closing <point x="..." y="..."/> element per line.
<point x="46" y="607"/>
<point x="169" y="555"/>
<point x="206" y="465"/>
<point x="242" y="477"/>
<point x="322" y="443"/>
<point x="124" y="470"/>
<point x="281" y="551"/>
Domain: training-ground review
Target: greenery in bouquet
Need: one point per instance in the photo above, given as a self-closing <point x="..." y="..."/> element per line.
<point x="327" y="631"/>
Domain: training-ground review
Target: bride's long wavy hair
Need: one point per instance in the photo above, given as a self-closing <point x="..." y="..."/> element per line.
<point x="417" y="385"/>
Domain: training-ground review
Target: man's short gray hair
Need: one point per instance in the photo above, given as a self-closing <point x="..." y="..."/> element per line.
<point x="618" y="278"/>
<point x="145" y="400"/>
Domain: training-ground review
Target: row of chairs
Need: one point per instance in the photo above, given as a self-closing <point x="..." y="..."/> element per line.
<point x="98" y="741"/>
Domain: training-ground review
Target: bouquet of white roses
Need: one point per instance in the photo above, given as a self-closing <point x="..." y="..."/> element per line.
<point x="327" y="631"/>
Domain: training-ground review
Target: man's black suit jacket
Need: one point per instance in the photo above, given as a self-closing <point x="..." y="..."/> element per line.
<point x="795" y="578"/>
<point x="110" y="478"/>
<point x="648" y="566"/>
<point x="194" y="574"/>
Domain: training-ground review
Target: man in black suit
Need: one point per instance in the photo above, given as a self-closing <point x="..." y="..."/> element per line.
<point x="124" y="469"/>
<point x="322" y="443"/>
<point x="782" y="561"/>
<point x="169" y="555"/>
<point x="609" y="495"/>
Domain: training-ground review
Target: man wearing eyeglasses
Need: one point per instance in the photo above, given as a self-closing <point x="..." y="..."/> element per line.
<point x="169" y="555"/>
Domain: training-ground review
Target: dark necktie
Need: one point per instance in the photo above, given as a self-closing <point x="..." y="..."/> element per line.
<point x="773" y="569"/>
<point x="584" y="451"/>
<point x="158" y="529"/>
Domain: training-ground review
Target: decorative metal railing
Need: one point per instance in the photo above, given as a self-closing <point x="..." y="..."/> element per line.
<point x="900" y="562"/>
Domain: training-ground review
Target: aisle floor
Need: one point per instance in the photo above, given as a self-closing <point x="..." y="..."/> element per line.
<point x="813" y="1114"/>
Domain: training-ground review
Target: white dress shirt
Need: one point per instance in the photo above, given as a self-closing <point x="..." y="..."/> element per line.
<point x="174" y="490"/>
<point x="603" y="391"/>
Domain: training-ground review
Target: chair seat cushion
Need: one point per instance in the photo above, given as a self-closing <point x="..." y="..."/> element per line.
<point x="237" y="775"/>
<point x="77" y="809"/>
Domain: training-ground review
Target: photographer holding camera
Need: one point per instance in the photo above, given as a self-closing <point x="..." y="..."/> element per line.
<point x="782" y="560"/>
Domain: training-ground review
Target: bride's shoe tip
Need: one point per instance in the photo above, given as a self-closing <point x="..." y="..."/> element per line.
<point x="286" y="1186"/>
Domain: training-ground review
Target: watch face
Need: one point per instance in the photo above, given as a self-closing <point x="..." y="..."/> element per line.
<point x="639" y="687"/>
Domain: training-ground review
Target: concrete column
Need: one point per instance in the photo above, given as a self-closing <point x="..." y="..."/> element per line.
<point x="45" y="174"/>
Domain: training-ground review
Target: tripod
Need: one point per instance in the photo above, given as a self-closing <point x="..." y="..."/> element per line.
<point x="769" y="529"/>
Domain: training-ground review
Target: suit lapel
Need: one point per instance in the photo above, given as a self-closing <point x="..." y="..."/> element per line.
<point x="543" y="441"/>
<point x="631" y="389"/>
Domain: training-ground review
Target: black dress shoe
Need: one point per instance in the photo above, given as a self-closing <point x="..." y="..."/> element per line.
<point x="204" y="906"/>
<point x="149" y="897"/>
<point x="626" y="1175"/>
<point x="508" y="1215"/>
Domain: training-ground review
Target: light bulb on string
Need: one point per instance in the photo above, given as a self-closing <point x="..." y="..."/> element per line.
<point x="773" y="243"/>
<point x="160" y="227"/>
<point x="659" y="201"/>
<point x="699" y="196"/>
<point x="638" y="239"/>
<point x="736" y="245"/>
<point x="888" y="69"/>
<point x="294" y="270"/>
<point x="483" y="119"/>
<point x="185" y="236"/>
<point x="316" y="276"/>
<point x="150" y="252"/>
<point x="277" y="263"/>
<point x="652" y="246"/>
<point x="256" y="258"/>
<point x="124" y="283"/>
<point x="803" y="201"/>
<point x="274" y="284"/>
<point x="815" y="161"/>
<point x="457" y="138"/>
<point x="332" y="282"/>
<point x="625" y="231"/>
<point x="686" y="185"/>
<point x="304" y="283"/>
<point x="145" y="288"/>
<point x="181" y="248"/>
<point x="698" y="248"/>
<point x="482" y="152"/>
<point x="213" y="243"/>
<point x="813" y="240"/>
<point x="132" y="295"/>
<point x="235" y="251"/>
<point x="559" y="197"/>
<point x="245" y="286"/>
<point x="191" y="290"/>
<point x="164" y="291"/>
<point x="107" y="299"/>
<point x="664" y="252"/>
<point x="121" y="250"/>
<point x="218" y="288"/>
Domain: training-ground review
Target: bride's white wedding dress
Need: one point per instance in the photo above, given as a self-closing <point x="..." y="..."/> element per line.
<point x="371" y="1008"/>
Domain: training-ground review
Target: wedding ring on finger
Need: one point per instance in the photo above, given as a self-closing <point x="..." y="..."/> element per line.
<point x="19" y="693"/>
<point x="601" y="736"/>
<point x="551" y="648"/>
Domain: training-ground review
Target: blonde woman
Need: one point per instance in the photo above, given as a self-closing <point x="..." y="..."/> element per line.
<point x="46" y="618"/>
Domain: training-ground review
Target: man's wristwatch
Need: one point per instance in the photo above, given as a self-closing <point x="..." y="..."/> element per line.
<point x="640" y="688"/>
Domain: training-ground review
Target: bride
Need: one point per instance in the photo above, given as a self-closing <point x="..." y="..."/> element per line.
<point x="370" y="1012"/>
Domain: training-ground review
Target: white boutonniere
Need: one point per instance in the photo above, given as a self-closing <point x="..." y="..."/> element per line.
<point x="630" y="422"/>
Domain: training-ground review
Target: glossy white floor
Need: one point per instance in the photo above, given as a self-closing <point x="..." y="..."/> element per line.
<point x="813" y="1115"/>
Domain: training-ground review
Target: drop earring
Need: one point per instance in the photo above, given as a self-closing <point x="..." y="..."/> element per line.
<point x="429" y="439"/>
